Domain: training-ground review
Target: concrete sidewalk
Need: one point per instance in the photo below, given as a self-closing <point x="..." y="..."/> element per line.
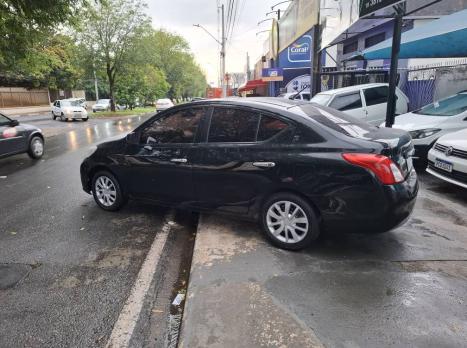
<point x="403" y="288"/>
<point x="28" y="110"/>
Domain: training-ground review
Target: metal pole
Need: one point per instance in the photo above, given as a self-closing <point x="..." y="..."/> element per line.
<point x="224" y="87"/>
<point x="396" y="46"/>
<point x="95" y="86"/>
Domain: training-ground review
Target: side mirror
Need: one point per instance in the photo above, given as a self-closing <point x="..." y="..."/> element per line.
<point x="465" y="119"/>
<point x="132" y="138"/>
<point x="14" y="123"/>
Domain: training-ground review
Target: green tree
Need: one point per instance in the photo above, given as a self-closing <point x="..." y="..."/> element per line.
<point x="111" y="30"/>
<point x="24" y="22"/>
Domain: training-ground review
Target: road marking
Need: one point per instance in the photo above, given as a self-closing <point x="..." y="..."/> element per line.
<point x="126" y="322"/>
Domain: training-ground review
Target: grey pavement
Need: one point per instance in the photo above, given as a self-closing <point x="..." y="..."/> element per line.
<point x="406" y="288"/>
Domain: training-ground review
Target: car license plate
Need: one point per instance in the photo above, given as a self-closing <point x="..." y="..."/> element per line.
<point x="444" y="165"/>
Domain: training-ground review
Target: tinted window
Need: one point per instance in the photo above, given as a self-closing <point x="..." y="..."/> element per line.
<point x="375" y="39"/>
<point x="347" y="102"/>
<point x="306" y="96"/>
<point x="375" y="96"/>
<point x="176" y="128"/>
<point x="233" y="126"/>
<point x="269" y="127"/>
<point x="447" y="107"/>
<point x="351" y="47"/>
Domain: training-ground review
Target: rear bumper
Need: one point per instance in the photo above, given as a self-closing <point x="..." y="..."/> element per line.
<point x="390" y="207"/>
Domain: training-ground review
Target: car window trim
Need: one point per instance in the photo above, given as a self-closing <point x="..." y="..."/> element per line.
<point x="165" y="113"/>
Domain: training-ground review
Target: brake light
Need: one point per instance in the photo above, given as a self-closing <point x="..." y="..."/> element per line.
<point x="383" y="167"/>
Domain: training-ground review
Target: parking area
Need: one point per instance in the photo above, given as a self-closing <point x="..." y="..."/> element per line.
<point x="403" y="288"/>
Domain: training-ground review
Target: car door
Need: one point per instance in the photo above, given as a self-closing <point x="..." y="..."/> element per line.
<point x="350" y="103"/>
<point x="376" y="101"/>
<point x="241" y="158"/>
<point x="159" y="166"/>
<point x="12" y="137"/>
<point x="56" y="108"/>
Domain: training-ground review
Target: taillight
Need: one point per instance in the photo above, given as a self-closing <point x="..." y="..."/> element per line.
<point x="383" y="167"/>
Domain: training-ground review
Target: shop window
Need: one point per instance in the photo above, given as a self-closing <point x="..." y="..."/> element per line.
<point x="375" y="39"/>
<point x="350" y="47"/>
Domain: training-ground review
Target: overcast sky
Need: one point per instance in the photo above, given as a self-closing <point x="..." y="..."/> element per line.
<point x="180" y="15"/>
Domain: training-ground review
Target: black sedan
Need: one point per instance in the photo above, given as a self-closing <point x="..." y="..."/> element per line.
<point x="296" y="167"/>
<point x="16" y="138"/>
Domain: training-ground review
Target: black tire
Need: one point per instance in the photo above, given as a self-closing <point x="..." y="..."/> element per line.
<point x="32" y="150"/>
<point x="85" y="119"/>
<point x="308" y="237"/>
<point x="62" y="117"/>
<point x="53" y="116"/>
<point x="120" y="199"/>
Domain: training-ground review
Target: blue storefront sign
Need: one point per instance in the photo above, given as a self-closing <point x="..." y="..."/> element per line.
<point x="273" y="74"/>
<point x="298" y="54"/>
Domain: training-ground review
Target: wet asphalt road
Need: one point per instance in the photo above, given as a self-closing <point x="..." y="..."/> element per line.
<point x="77" y="263"/>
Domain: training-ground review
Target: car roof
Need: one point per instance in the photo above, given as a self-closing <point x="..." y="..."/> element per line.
<point x="353" y="88"/>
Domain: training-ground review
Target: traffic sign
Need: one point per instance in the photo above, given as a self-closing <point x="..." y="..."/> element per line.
<point x="368" y="7"/>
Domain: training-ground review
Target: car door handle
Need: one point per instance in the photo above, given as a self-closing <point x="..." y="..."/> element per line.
<point x="264" y="164"/>
<point x="179" y="160"/>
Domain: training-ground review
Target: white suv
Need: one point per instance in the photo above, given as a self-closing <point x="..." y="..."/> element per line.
<point x="366" y="102"/>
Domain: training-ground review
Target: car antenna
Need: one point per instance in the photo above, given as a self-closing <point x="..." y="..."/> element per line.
<point x="296" y="95"/>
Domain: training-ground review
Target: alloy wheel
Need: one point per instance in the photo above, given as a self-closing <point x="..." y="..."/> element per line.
<point x="37" y="147"/>
<point x="287" y="222"/>
<point x="106" y="191"/>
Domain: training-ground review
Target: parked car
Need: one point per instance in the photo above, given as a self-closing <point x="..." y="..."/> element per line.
<point x="163" y="104"/>
<point x="101" y="105"/>
<point x="297" y="168"/>
<point x="366" y="102"/>
<point x="429" y="123"/>
<point x="69" y="109"/>
<point x="82" y="102"/>
<point x="296" y="96"/>
<point x="447" y="160"/>
<point x="16" y="138"/>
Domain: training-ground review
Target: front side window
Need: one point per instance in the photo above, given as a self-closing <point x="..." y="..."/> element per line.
<point x="347" y="102"/>
<point x="375" y="96"/>
<point x="177" y="128"/>
<point x="233" y="126"/>
<point x="4" y="120"/>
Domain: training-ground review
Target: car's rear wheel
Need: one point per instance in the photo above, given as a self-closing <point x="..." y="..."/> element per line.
<point x="85" y="119"/>
<point x="36" y="147"/>
<point x="53" y="116"/>
<point x="289" y="221"/>
<point x="107" y="192"/>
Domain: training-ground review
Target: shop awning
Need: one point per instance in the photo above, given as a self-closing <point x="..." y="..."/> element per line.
<point x="443" y="38"/>
<point x="251" y="85"/>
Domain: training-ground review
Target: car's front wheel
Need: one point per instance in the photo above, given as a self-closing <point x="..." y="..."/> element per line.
<point x="36" y="147"/>
<point x="107" y="192"/>
<point x="289" y="221"/>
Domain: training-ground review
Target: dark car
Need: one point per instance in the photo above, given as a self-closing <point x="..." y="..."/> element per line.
<point x="296" y="167"/>
<point x="18" y="138"/>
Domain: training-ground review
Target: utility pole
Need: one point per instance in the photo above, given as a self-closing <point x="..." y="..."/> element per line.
<point x="248" y="71"/>
<point x="95" y="85"/>
<point x="224" y="87"/>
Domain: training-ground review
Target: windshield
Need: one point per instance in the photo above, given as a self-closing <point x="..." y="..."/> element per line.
<point x="4" y="120"/>
<point x="321" y="99"/>
<point x="337" y="121"/>
<point x="447" y="107"/>
<point x="69" y="103"/>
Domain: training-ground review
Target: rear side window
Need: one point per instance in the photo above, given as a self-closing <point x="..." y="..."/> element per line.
<point x="375" y="96"/>
<point x="347" y="102"/>
<point x="306" y="96"/>
<point x="177" y="128"/>
<point x="233" y="126"/>
<point x="269" y="127"/>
